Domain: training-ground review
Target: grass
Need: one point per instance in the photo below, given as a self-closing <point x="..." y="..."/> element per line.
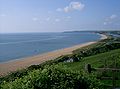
<point x="99" y="61"/>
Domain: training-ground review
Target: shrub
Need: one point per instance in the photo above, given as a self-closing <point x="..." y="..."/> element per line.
<point x="54" y="77"/>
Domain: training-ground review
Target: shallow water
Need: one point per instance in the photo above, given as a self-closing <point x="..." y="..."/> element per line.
<point x="15" y="46"/>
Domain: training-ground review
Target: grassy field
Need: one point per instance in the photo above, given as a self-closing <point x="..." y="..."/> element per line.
<point x="97" y="60"/>
<point x="103" y="60"/>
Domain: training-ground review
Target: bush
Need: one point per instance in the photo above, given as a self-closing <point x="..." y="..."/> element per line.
<point x="96" y="50"/>
<point x="54" y="77"/>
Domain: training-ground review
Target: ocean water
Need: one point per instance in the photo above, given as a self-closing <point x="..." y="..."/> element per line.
<point x="20" y="45"/>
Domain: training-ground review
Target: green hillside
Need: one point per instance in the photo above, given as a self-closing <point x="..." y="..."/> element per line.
<point x="103" y="60"/>
<point x="97" y="60"/>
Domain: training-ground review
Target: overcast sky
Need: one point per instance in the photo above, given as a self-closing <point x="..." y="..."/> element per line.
<point x="58" y="15"/>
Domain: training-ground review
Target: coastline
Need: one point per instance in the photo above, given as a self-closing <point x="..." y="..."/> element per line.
<point x="14" y="65"/>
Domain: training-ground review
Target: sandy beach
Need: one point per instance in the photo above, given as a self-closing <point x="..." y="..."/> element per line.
<point x="14" y="65"/>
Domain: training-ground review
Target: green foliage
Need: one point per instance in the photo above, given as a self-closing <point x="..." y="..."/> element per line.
<point x="63" y="58"/>
<point x="100" y="61"/>
<point x="105" y="47"/>
<point x="14" y="75"/>
<point x="75" y="57"/>
<point x="54" y="77"/>
<point x="20" y="73"/>
<point x="97" y="61"/>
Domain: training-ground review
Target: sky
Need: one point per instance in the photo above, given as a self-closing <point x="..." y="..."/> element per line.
<point x="58" y="15"/>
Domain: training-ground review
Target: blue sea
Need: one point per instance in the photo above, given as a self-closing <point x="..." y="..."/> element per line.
<point x="20" y="45"/>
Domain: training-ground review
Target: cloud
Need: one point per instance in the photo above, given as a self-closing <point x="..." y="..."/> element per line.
<point x="110" y="19"/>
<point x="35" y="19"/>
<point x="72" y="7"/>
<point x="67" y="9"/>
<point x="105" y="23"/>
<point x="3" y="15"/>
<point x="48" y="19"/>
<point x="57" y="20"/>
<point x="59" y="9"/>
<point x="113" y="16"/>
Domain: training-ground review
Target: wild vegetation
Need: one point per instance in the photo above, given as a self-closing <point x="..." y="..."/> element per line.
<point x="53" y="77"/>
<point x="60" y="74"/>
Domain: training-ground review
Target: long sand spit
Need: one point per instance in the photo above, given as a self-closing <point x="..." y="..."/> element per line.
<point x="14" y="65"/>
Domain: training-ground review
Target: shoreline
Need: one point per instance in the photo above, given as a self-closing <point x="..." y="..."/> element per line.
<point x="10" y="66"/>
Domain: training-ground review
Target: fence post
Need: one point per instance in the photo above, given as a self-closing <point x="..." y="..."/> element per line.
<point x="113" y="79"/>
<point x="114" y="71"/>
<point x="88" y="68"/>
